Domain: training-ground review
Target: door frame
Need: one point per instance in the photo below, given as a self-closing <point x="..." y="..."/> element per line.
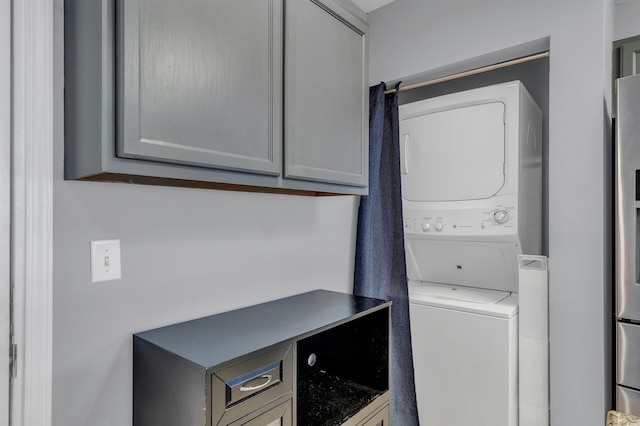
<point x="33" y="79"/>
<point x="5" y="203"/>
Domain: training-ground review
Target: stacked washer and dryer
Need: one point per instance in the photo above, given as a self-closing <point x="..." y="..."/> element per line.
<point x="471" y="170"/>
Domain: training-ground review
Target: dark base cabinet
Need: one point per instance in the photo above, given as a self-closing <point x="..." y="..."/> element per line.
<point x="316" y="359"/>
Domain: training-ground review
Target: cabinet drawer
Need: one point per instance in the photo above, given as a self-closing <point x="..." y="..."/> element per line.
<point x="252" y="382"/>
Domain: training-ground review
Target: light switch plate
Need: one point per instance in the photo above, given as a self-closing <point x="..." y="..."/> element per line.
<point x="105" y="260"/>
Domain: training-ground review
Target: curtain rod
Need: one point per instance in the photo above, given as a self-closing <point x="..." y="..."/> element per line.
<point x="473" y="71"/>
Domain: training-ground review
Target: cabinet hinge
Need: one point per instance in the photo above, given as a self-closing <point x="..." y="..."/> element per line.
<point x="13" y="361"/>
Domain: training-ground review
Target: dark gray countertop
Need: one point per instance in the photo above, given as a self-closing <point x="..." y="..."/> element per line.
<point x="213" y="340"/>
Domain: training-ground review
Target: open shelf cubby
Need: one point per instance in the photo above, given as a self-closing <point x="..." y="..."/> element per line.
<point x="342" y="370"/>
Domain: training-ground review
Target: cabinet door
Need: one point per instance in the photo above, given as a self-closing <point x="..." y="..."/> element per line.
<point x="381" y="418"/>
<point x="279" y="415"/>
<point x="326" y="95"/>
<point x="199" y="83"/>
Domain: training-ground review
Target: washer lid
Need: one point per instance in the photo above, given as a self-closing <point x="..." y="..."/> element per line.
<point x="489" y="264"/>
<point x="468" y="299"/>
<point x="420" y="290"/>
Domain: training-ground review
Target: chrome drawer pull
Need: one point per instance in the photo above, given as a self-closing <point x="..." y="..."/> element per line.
<point x="260" y="386"/>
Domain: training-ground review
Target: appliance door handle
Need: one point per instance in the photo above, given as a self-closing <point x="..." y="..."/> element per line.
<point x="405" y="151"/>
<point x="246" y="386"/>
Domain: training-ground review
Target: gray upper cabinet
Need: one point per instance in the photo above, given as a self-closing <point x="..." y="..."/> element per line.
<point x="326" y="120"/>
<point x="209" y="93"/>
<point x="200" y="82"/>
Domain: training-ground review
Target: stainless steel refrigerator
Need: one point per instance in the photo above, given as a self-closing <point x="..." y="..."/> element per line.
<point x="627" y="216"/>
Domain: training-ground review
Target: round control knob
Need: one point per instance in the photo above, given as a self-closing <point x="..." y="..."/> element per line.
<point x="501" y="216"/>
<point x="426" y="226"/>
<point x="439" y="227"/>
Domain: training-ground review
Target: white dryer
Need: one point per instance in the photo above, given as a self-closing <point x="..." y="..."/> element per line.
<point x="471" y="173"/>
<point x="464" y="344"/>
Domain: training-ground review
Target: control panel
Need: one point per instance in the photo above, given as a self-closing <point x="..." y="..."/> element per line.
<point x="497" y="220"/>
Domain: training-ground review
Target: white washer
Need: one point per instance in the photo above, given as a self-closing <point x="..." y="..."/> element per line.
<point x="465" y="354"/>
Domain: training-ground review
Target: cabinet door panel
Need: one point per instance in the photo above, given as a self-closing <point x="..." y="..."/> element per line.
<point x="381" y="418"/>
<point x="276" y="416"/>
<point x="199" y="82"/>
<point x="326" y="99"/>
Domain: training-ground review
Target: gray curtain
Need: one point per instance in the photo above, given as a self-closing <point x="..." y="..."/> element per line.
<point x="380" y="261"/>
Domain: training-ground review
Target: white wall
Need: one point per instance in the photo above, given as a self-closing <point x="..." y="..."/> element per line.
<point x="186" y="253"/>
<point x="411" y="37"/>
<point x="626" y="15"/>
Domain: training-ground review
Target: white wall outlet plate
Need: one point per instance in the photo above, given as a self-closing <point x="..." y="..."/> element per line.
<point x="105" y="260"/>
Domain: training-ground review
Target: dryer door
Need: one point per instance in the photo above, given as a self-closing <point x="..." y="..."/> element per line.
<point x="454" y="154"/>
